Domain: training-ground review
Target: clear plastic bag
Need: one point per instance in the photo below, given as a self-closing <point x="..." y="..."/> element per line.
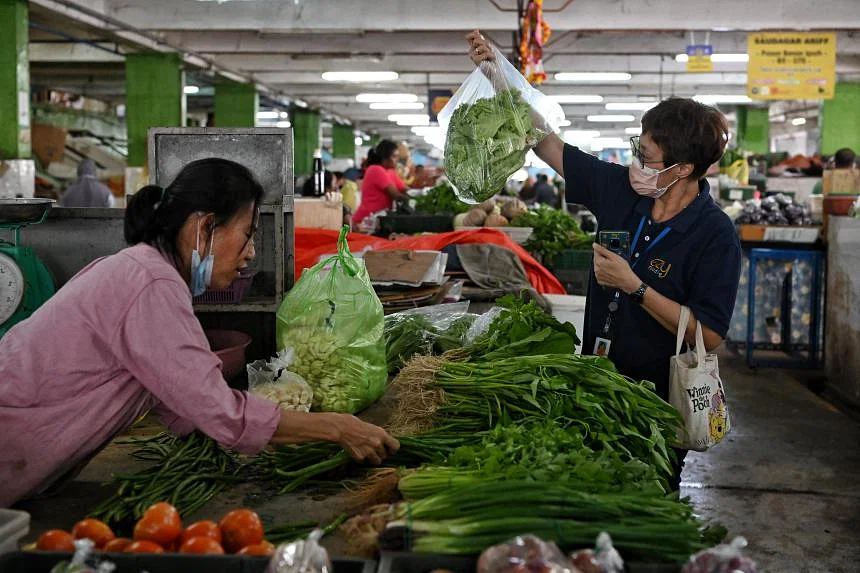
<point x="491" y="122"/>
<point x="84" y="560"/>
<point x="273" y="381"/>
<point x="333" y="320"/>
<point x="603" y="559"/>
<point x="306" y="556"/>
<point x="726" y="558"/>
<point x="526" y="553"/>
<point x="425" y="331"/>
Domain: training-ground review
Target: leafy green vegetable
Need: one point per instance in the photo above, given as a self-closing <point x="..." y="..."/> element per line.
<point x="535" y="452"/>
<point x="554" y="231"/>
<point x="405" y="336"/>
<point x="487" y="142"/>
<point x="452" y="337"/>
<point x="440" y="200"/>
<point x="522" y="329"/>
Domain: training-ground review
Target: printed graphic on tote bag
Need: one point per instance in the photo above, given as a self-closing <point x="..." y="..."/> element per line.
<point x="717" y="417"/>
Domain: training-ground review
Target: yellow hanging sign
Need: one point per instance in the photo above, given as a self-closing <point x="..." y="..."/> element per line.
<point x="699" y="58"/>
<point x="791" y="65"/>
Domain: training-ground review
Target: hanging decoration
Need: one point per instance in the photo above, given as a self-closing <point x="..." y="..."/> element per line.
<point x="534" y="33"/>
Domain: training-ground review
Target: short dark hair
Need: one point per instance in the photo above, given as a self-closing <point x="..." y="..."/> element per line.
<point x="155" y="216"/>
<point x="687" y="132"/>
<point x="844" y="158"/>
<point x="543" y="178"/>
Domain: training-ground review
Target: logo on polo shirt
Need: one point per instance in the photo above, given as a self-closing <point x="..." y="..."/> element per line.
<point x="660" y="267"/>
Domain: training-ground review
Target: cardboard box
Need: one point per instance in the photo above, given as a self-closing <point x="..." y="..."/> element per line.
<point x="840" y="182"/>
<point x="49" y="143"/>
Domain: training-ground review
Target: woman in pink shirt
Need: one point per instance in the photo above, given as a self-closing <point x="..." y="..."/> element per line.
<point x="121" y="338"/>
<point x="381" y="186"/>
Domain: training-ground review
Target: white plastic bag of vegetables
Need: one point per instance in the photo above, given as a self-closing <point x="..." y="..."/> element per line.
<point x="491" y="123"/>
<point x="333" y="321"/>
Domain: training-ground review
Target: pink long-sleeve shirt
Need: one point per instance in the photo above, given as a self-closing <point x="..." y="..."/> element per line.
<point x="119" y="339"/>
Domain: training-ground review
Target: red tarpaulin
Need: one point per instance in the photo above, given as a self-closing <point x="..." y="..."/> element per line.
<point x="311" y="244"/>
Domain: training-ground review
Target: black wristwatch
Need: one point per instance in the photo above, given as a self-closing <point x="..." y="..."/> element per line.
<point x="638" y="295"/>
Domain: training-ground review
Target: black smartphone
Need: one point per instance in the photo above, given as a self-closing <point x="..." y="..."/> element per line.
<point x="616" y="241"/>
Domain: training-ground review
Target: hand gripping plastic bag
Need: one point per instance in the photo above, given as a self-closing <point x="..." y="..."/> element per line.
<point x="492" y="121"/>
<point x="333" y="321"/>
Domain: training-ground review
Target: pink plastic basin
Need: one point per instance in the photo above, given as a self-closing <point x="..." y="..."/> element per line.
<point x="230" y="347"/>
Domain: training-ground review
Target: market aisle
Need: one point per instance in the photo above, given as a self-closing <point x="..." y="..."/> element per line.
<point x="788" y="476"/>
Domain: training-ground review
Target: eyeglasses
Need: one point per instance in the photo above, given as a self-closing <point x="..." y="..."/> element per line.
<point x="636" y="149"/>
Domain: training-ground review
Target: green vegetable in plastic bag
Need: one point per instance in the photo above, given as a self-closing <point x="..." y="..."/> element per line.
<point x="333" y="321"/>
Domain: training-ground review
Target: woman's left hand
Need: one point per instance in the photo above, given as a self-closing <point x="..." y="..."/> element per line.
<point x="613" y="271"/>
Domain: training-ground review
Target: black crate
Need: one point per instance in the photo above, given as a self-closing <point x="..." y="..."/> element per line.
<point x="44" y="561"/>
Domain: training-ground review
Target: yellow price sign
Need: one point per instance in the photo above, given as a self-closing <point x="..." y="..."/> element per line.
<point x="791" y="65"/>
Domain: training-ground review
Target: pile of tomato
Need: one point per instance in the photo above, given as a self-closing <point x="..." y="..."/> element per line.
<point x="160" y="530"/>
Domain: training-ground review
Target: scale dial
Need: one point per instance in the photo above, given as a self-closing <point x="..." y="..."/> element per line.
<point x="11" y="287"/>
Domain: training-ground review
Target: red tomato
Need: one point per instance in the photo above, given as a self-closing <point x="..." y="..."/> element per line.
<point x="95" y="530"/>
<point x="56" y="540"/>
<point x="205" y="528"/>
<point x="240" y="528"/>
<point x="144" y="547"/>
<point x="201" y="546"/>
<point x="161" y="524"/>
<point x="117" y="545"/>
<point x="264" y="549"/>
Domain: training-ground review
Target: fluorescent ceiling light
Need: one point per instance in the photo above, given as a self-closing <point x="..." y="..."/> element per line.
<point x="609" y="118"/>
<point x="283" y="124"/>
<point x="283" y="115"/>
<point x="410" y="118"/>
<point x="592" y="76"/>
<point x="423" y="130"/>
<point x="566" y="99"/>
<point x="798" y="121"/>
<point x="630" y="106"/>
<point x="300" y="103"/>
<point x="613" y="142"/>
<point x="718" y="58"/>
<point x="360" y="76"/>
<point x="397" y="105"/>
<point x="633" y="130"/>
<point x="358" y="141"/>
<point x="564" y="123"/>
<point x="191" y="90"/>
<point x="268" y="115"/>
<point x="386" y="98"/>
<point x="580" y="134"/>
<point x="712" y="99"/>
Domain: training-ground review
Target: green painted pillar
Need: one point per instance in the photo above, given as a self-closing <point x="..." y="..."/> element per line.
<point x="154" y="98"/>
<point x="306" y="139"/>
<point x="14" y="80"/>
<point x="343" y="141"/>
<point x="753" y="129"/>
<point x="840" y="119"/>
<point x="235" y="104"/>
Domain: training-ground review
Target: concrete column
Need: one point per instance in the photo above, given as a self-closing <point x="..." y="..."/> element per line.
<point x="154" y="98"/>
<point x="840" y="119"/>
<point x="306" y="139"/>
<point x="343" y="141"/>
<point x="14" y="80"/>
<point x="753" y="129"/>
<point x="235" y="104"/>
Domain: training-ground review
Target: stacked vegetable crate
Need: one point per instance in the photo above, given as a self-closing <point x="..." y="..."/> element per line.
<point x="573" y="268"/>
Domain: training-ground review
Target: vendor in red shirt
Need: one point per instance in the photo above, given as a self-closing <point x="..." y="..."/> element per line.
<point x="381" y="186"/>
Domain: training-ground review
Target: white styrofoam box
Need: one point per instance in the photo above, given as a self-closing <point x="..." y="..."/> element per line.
<point x="17" y="179"/>
<point x="518" y="235"/>
<point x="13" y="526"/>
<point x="568" y="308"/>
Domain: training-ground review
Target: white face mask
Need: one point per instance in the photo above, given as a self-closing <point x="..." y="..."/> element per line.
<point x="644" y="180"/>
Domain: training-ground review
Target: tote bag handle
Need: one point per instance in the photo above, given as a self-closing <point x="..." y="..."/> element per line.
<point x="682" y="329"/>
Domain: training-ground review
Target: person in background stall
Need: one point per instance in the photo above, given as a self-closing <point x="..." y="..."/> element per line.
<point x="349" y="189"/>
<point x="87" y="191"/>
<point x="419" y="178"/>
<point x="381" y="186"/>
<point x="121" y="339"/>
<point x="845" y="158"/>
<point x="545" y="193"/>
<point x="527" y="192"/>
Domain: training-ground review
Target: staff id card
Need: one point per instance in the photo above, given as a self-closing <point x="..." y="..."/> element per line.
<point x="601" y="347"/>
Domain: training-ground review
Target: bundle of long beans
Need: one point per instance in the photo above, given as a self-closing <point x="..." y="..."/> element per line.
<point x="611" y="410"/>
<point x="187" y="472"/>
<point x="467" y="519"/>
<point x="292" y="531"/>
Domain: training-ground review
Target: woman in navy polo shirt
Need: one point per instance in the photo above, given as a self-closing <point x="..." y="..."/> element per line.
<point x="683" y="249"/>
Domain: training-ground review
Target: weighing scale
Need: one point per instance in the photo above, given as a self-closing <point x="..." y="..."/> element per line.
<point x="25" y="283"/>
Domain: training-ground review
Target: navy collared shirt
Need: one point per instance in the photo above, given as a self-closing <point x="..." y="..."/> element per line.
<point x="697" y="264"/>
